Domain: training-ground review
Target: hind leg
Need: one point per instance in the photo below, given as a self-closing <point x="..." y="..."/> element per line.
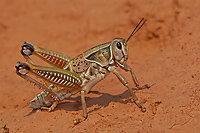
<point x="53" y="58"/>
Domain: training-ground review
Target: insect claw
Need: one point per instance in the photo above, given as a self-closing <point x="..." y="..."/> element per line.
<point x="143" y="109"/>
<point x="152" y="85"/>
<point x="145" y="86"/>
<point x="77" y="121"/>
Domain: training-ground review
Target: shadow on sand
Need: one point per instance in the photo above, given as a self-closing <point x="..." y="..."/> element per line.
<point x="74" y="103"/>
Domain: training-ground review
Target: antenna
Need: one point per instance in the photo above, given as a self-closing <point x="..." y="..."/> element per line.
<point x="136" y="29"/>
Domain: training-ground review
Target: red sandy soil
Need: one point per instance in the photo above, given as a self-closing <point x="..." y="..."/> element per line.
<point x="165" y="51"/>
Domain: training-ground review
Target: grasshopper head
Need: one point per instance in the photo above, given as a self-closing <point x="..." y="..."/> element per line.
<point x="120" y="46"/>
<point x="120" y="50"/>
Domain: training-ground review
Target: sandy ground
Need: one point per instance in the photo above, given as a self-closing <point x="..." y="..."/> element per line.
<point x="165" y="51"/>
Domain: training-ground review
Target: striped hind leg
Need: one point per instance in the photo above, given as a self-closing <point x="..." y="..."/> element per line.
<point x="56" y="76"/>
<point x="53" y="58"/>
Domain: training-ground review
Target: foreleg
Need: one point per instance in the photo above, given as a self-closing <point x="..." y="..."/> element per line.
<point x="125" y="83"/>
<point x="127" y="68"/>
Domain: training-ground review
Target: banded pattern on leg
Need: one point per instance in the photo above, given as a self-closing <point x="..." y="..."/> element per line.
<point x="56" y="76"/>
<point x="54" y="58"/>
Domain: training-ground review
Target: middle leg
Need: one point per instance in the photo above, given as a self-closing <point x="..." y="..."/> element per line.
<point x="84" y="91"/>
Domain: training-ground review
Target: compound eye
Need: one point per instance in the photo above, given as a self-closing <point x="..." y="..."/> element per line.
<point x="119" y="45"/>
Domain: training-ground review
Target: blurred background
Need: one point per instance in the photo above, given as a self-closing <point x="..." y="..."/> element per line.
<point x="165" y="51"/>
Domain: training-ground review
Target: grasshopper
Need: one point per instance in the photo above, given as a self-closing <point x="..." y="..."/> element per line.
<point x="72" y="75"/>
